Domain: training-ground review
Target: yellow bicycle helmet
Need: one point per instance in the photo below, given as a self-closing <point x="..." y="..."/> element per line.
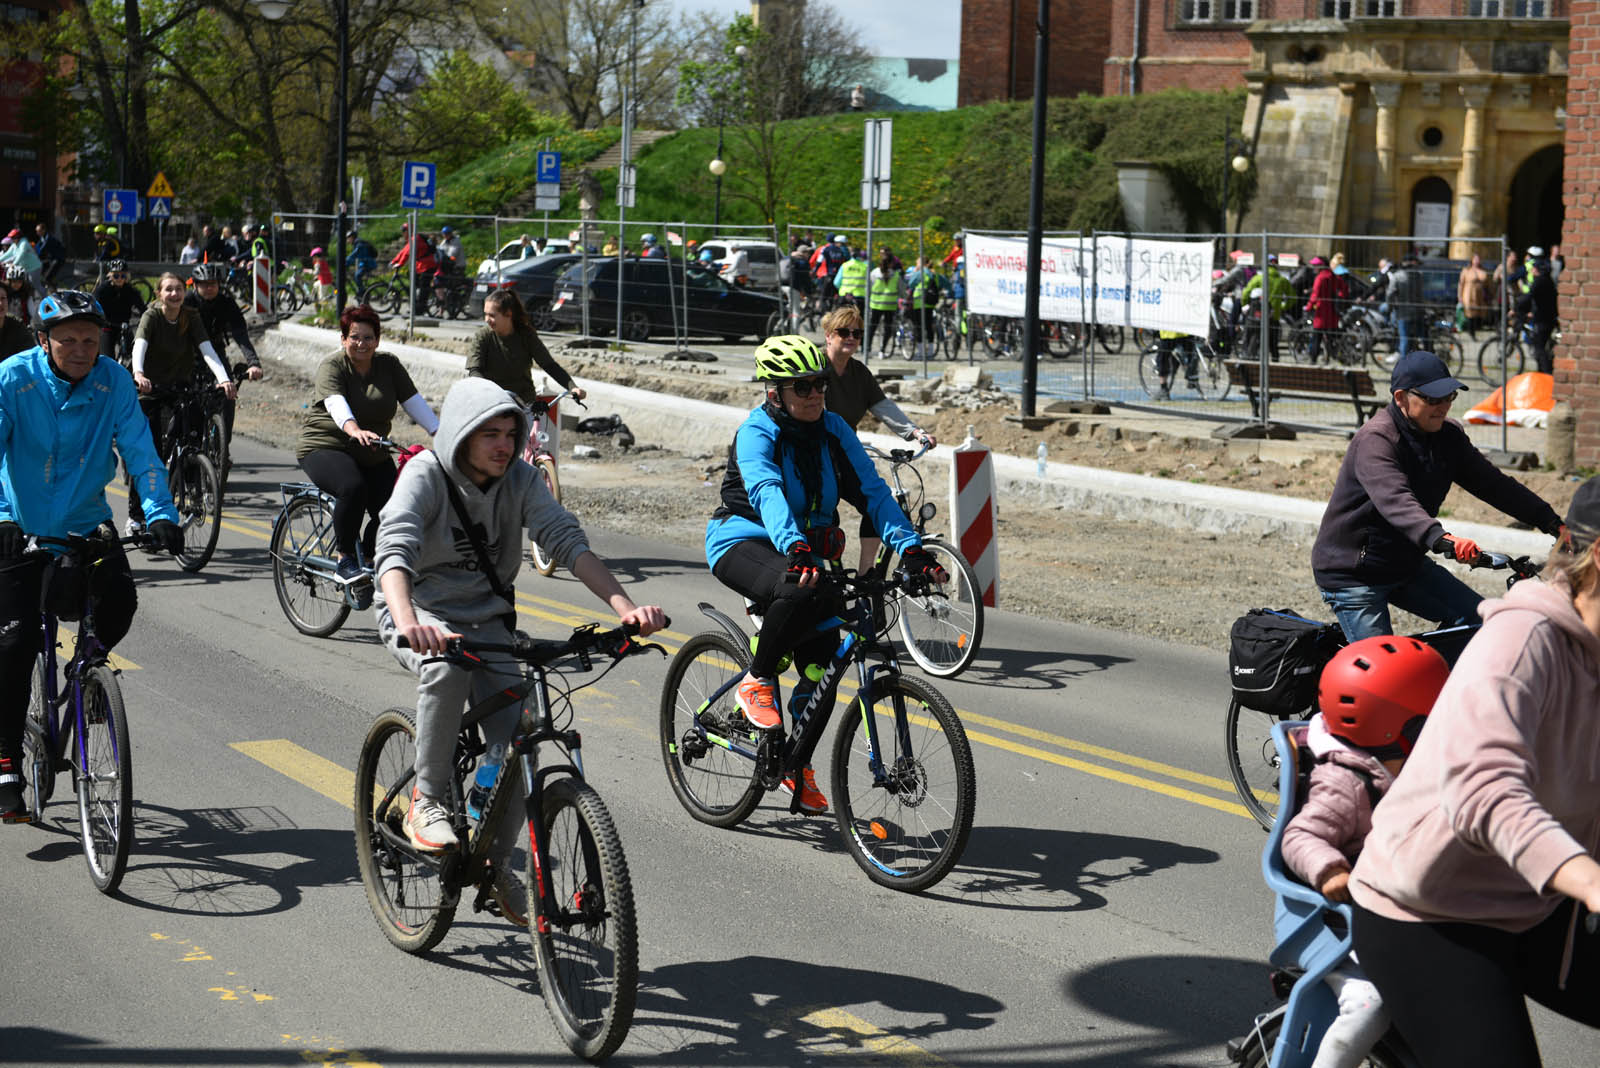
<point x="788" y="356"/>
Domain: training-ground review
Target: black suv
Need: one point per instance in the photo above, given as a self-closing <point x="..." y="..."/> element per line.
<point x="658" y="293"/>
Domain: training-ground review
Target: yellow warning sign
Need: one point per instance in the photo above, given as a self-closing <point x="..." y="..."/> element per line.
<point x="160" y="187"/>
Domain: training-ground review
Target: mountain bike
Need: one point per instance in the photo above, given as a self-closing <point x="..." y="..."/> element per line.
<point x="192" y="477"/>
<point x="1203" y="371"/>
<point x="1253" y="761"/>
<point x="77" y="721"/>
<point x="942" y="625"/>
<point x="581" y="922"/>
<point x="537" y="452"/>
<point x="1516" y="345"/>
<point x="903" y="780"/>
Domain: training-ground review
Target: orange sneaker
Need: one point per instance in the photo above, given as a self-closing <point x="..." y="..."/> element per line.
<point x="758" y="700"/>
<point x="811" y="798"/>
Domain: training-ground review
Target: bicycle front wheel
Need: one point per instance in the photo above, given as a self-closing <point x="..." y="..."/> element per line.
<point x="105" y="780"/>
<point x="1253" y="761"/>
<point x="403" y="891"/>
<point x="216" y="445"/>
<point x="585" y="937"/>
<point x="197" y="492"/>
<point x="1489" y="361"/>
<point x="943" y="627"/>
<point x="543" y="561"/>
<point x="905" y="808"/>
<point x="713" y="782"/>
<point x="303" y="558"/>
<point x="1211" y="374"/>
<point x="1150" y="376"/>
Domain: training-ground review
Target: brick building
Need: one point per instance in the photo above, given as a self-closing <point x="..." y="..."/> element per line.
<point x="1577" y="360"/>
<point x="997" y="48"/>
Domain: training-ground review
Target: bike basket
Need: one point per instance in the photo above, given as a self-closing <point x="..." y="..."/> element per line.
<point x="1275" y="658"/>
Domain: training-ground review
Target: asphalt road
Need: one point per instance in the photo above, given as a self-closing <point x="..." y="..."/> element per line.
<point x="1108" y="909"/>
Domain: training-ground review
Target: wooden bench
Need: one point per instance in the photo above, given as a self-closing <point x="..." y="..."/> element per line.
<point x="1292" y="381"/>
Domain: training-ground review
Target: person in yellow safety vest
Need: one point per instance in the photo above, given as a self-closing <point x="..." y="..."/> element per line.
<point x="1281" y="298"/>
<point x="923" y="287"/>
<point x="885" y="290"/>
<point x="1172" y="348"/>
<point x="850" y="280"/>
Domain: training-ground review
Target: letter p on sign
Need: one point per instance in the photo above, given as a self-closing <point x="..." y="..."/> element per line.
<point x="417" y="186"/>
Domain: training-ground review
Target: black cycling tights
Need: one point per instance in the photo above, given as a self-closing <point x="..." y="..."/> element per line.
<point x="356" y="491"/>
<point x="758" y="571"/>
<point x="1457" y="991"/>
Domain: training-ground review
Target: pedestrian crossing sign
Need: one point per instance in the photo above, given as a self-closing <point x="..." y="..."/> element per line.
<point x="160" y="187"/>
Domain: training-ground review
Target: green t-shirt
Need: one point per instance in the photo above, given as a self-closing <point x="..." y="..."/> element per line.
<point x="170" y="346"/>
<point x="508" y="362"/>
<point x="373" y="398"/>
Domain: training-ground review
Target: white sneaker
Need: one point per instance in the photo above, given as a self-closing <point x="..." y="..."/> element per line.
<point x="427" y="824"/>
<point x="509" y="893"/>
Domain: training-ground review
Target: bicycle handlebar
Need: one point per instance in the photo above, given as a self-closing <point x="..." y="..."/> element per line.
<point x="897" y="456"/>
<point x="76" y="543"/>
<point x="617" y="642"/>
<point x="542" y="407"/>
<point x="1493" y="561"/>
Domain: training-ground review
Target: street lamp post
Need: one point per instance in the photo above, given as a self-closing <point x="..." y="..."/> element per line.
<point x="273" y="10"/>
<point x="719" y="165"/>
<point x="1236" y="158"/>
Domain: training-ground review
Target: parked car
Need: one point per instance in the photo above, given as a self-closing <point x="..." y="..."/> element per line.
<point x="655" y="294"/>
<point x="511" y="252"/>
<point x="763" y="255"/>
<point x="533" y="281"/>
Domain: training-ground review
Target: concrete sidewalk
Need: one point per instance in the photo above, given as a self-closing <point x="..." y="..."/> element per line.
<point x="703" y="428"/>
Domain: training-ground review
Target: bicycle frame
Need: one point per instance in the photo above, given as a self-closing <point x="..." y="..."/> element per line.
<point x="87" y="654"/>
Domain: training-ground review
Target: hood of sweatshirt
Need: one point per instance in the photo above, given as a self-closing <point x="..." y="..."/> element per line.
<point x="1552" y="598"/>
<point x="470" y="403"/>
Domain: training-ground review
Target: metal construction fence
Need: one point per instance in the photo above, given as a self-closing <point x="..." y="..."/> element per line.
<point x="1110" y="337"/>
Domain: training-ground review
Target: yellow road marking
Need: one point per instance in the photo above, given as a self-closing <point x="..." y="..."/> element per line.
<point x="121" y="663"/>
<point x="304" y="767"/>
<point x="863" y="1039"/>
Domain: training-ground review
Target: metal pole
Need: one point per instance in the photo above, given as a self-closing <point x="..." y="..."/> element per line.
<point x="622" y="208"/>
<point x="411" y="279"/>
<point x="716" y="215"/>
<point x="344" y="132"/>
<point x="1266" y="334"/>
<point x="1227" y="135"/>
<point x="1030" y="307"/>
<point x="872" y="202"/>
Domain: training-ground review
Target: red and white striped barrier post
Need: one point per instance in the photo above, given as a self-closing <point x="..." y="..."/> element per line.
<point x="972" y="513"/>
<point x="263" y="285"/>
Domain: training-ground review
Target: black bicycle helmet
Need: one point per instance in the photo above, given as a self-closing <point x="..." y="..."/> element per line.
<point x="116" y="266"/>
<point x="69" y="305"/>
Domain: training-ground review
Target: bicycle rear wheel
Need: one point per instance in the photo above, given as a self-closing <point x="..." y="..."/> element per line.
<point x="1253" y="761"/>
<point x="105" y="780"/>
<point x="907" y="829"/>
<point x="717" y="785"/>
<point x="1150" y="377"/>
<point x="403" y="891"/>
<point x="1112" y="338"/>
<point x="943" y="627"/>
<point x="197" y="492"/>
<point x="1489" y="368"/>
<point x="587" y="949"/>
<point x="543" y="561"/>
<point x="303" y="558"/>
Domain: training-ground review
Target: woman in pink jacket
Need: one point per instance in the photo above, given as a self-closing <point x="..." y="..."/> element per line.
<point x="1480" y="865"/>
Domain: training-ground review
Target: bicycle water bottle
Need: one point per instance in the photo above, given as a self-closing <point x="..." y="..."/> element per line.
<point x="488" y="773"/>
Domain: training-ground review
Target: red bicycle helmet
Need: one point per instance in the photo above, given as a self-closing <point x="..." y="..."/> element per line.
<point x="1376" y="693"/>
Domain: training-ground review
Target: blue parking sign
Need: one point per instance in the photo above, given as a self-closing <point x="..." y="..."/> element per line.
<point x="120" y="206"/>
<point x="548" y="168"/>
<point x="31" y="186"/>
<point x="417" y="186"/>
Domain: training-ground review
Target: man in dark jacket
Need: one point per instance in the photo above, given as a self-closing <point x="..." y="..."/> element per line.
<point x="1371" y="550"/>
<point x="1538" y="306"/>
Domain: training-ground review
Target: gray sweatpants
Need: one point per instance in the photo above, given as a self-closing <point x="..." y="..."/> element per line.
<point x="442" y="693"/>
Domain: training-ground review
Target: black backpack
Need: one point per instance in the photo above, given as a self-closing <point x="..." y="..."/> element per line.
<point x="1275" y="658"/>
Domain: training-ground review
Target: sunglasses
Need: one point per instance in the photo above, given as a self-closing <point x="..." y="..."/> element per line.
<point x="857" y="333"/>
<point x="804" y="387"/>
<point x="1437" y="402"/>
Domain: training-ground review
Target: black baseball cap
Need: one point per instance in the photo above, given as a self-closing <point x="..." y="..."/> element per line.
<point x="1424" y="373"/>
<point x="1583" y="514"/>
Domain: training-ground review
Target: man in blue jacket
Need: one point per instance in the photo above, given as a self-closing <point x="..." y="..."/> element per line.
<point x="1371" y="550"/>
<point x="62" y="408"/>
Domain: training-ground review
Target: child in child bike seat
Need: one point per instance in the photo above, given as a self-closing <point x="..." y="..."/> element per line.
<point x="433" y="562"/>
<point x="1374" y="696"/>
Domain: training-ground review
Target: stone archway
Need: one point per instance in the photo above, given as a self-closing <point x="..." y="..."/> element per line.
<point x="1535" y="213"/>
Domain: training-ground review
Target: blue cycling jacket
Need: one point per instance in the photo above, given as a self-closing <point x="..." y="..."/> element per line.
<point x="56" y="446"/>
<point x="762" y="495"/>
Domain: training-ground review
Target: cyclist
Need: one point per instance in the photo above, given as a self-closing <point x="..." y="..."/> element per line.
<point x="20" y="292"/>
<point x="850" y="281"/>
<point x="825" y="263"/>
<point x="52" y="254"/>
<point x="62" y="410"/>
<point x="353" y="403"/>
<point x="220" y="315"/>
<point x="19" y="250"/>
<point x="164" y="346"/>
<point x="362" y="260"/>
<point x="1382" y="519"/>
<point x="853" y="391"/>
<point x="106" y="245"/>
<point x="435" y="582"/>
<point x="507" y="348"/>
<point x="1537" y="306"/>
<point x="449" y="250"/>
<point x="425" y="263"/>
<point x="122" y="306"/>
<point x="1175" y="349"/>
<point x="789" y="465"/>
<point x="15" y="336"/>
<point x="649" y="249"/>
<point x="1480" y="862"/>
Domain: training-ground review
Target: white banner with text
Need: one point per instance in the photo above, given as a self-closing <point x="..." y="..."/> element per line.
<point x="1159" y="285"/>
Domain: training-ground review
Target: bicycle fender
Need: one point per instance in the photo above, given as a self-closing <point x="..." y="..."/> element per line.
<point x="723" y="620"/>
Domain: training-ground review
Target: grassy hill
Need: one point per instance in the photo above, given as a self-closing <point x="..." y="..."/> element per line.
<point x="951" y="169"/>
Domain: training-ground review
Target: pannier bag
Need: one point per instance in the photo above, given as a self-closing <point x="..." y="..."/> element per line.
<point x="1275" y="658"/>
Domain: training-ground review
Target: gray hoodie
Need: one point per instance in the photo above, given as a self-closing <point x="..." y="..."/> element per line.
<point x="419" y="532"/>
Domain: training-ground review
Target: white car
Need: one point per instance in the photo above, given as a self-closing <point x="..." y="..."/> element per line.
<point x="763" y="256"/>
<point x="511" y="252"/>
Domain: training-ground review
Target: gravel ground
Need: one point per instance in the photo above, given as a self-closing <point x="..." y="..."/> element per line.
<point x="1133" y="577"/>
